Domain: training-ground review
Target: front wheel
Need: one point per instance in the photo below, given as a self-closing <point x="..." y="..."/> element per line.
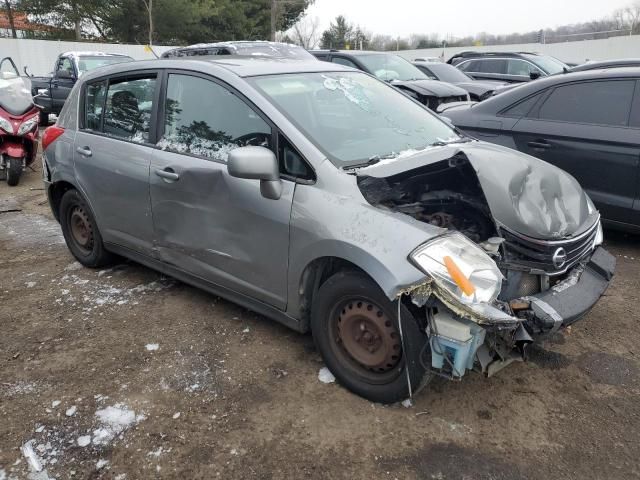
<point x="355" y="328"/>
<point x="81" y="231"/>
<point x="14" y="170"/>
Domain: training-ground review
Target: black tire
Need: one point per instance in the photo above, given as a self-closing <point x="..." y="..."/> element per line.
<point x="386" y="383"/>
<point x="76" y="217"/>
<point x="44" y="119"/>
<point x="14" y="170"/>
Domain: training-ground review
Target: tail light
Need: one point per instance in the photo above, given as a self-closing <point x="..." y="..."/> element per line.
<point x="50" y="134"/>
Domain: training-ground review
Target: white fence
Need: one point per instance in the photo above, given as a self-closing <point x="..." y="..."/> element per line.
<point x="40" y="55"/>
<point x="577" y="52"/>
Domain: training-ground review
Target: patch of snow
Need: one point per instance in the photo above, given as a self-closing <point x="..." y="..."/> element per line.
<point x="152" y="346"/>
<point x="325" y="376"/>
<point x="102" y="463"/>
<point x="3" y="474"/>
<point x="115" y="420"/>
<point x="55" y="403"/>
<point x="30" y="284"/>
<point x="40" y="429"/>
<point x="73" y="267"/>
<point x="176" y="415"/>
<point x="407" y="403"/>
<point x="19" y="388"/>
<point x="32" y="458"/>
<point x="71" y="411"/>
<point x="84" y="440"/>
<point x="246" y="330"/>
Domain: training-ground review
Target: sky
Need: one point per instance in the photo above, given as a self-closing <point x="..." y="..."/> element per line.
<point x="461" y="17"/>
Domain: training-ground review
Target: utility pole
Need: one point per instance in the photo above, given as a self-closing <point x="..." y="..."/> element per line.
<point x="274" y="6"/>
<point x="149" y="6"/>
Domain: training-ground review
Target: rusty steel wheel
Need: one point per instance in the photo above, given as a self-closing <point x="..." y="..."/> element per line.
<point x="368" y="336"/>
<point x="81" y="229"/>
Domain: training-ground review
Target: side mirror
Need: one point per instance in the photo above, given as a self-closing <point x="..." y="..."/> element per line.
<point x="65" y="74"/>
<point x="534" y="75"/>
<point x="257" y="163"/>
<point x="447" y="120"/>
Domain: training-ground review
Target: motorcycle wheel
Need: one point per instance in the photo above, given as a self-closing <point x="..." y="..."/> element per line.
<point x="14" y="170"/>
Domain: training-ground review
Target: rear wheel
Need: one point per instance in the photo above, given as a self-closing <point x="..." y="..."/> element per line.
<point x="14" y="170"/>
<point x="81" y="231"/>
<point x="356" y="330"/>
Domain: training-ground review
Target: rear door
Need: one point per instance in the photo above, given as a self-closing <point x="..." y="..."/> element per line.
<point x="214" y="226"/>
<point x="583" y="128"/>
<point x="487" y="69"/>
<point x="112" y="155"/>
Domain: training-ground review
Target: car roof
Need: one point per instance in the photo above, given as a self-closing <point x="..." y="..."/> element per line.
<point x="513" y="95"/>
<point x="473" y="53"/>
<point x="91" y="54"/>
<point x="242" y="66"/>
<point x="622" y="62"/>
<point x="234" y="46"/>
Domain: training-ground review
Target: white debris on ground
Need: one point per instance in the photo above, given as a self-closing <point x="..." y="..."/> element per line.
<point x="3" y="474"/>
<point x="102" y="463"/>
<point x="325" y="376"/>
<point x="114" y="420"/>
<point x="152" y="346"/>
<point x="176" y="415"/>
<point x="18" y="388"/>
<point x="55" y="403"/>
<point x="30" y="284"/>
<point x="71" y="411"/>
<point x="73" y="266"/>
<point x="84" y="440"/>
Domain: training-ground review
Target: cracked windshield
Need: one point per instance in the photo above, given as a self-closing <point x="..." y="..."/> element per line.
<point x="354" y="118"/>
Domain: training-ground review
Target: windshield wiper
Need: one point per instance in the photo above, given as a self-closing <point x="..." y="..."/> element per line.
<point x="372" y="161"/>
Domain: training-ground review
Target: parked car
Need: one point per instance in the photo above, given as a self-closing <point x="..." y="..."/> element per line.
<point x="586" y="123"/>
<point x="242" y="48"/>
<point x="478" y="89"/>
<point x="52" y="91"/>
<point x="428" y="59"/>
<point x="325" y="199"/>
<point x="593" y="65"/>
<point x="511" y="67"/>
<point x="399" y="73"/>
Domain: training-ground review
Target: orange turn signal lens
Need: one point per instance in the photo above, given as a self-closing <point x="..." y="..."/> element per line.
<point x="456" y="274"/>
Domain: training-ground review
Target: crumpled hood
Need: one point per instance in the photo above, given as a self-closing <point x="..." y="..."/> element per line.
<point x="479" y="87"/>
<point x="525" y="194"/>
<point x="433" y="88"/>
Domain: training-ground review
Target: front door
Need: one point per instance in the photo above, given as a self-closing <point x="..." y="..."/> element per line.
<point x="208" y="223"/>
<point x="61" y="87"/>
<point x="583" y="129"/>
<point x="112" y="157"/>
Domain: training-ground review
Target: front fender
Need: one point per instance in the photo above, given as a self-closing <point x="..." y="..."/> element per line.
<point x="328" y="224"/>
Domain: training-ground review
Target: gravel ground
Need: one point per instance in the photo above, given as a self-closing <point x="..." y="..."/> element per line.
<point x="126" y="374"/>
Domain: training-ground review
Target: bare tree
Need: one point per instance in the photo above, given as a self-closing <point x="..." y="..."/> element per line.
<point x="305" y="32"/>
<point x="148" y="4"/>
<point x="632" y="16"/>
<point x="10" y="17"/>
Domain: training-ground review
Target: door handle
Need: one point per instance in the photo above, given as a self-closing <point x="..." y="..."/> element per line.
<point x="542" y="145"/>
<point x="168" y="174"/>
<point x="84" y="151"/>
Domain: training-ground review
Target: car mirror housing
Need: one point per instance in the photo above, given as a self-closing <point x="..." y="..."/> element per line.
<point x="66" y="74"/>
<point x="534" y="75"/>
<point x="257" y="163"/>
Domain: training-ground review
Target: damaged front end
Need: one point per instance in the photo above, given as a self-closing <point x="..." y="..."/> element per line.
<point x="519" y="257"/>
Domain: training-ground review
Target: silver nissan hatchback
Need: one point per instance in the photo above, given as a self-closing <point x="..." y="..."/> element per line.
<point x="325" y="199"/>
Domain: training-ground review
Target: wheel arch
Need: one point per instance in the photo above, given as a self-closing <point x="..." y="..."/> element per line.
<point x="55" y="193"/>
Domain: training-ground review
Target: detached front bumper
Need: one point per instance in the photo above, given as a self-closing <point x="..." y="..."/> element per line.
<point x="571" y="299"/>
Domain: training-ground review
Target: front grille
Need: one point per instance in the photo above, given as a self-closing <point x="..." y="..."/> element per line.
<point x="538" y="255"/>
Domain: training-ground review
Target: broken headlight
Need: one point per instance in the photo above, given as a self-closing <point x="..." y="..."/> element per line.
<point x="460" y="267"/>
<point x="6" y="125"/>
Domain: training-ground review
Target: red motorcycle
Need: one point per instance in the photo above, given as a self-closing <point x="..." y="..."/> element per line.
<point x="19" y="119"/>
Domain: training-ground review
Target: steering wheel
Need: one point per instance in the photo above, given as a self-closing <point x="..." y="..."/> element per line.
<point x="257" y="139"/>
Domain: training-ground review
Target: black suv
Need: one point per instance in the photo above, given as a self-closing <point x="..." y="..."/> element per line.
<point x="398" y="72"/>
<point x="512" y="67"/>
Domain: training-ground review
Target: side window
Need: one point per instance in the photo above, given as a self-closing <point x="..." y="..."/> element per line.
<point x="470" y="66"/>
<point x="598" y="103"/>
<point x="127" y="112"/>
<point x="492" y="65"/>
<point x="65" y="64"/>
<point x="206" y="119"/>
<point x="427" y="72"/>
<point x="520" y="67"/>
<point x="343" y="61"/>
<point x="322" y="57"/>
<point x="291" y="162"/>
<point x="95" y="93"/>
<point x="522" y="108"/>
